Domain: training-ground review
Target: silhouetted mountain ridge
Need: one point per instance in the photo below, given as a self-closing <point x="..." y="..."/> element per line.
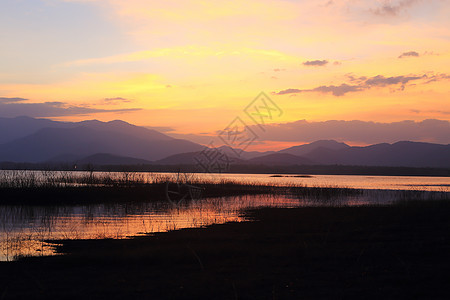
<point x="91" y="137"/>
<point x="16" y="128"/>
<point x="305" y="149"/>
<point x="109" y="159"/>
<point x="280" y="159"/>
<point x="400" y="154"/>
<point x="38" y="140"/>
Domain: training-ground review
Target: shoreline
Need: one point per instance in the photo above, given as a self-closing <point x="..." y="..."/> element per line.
<point x="395" y="251"/>
<point x="61" y="188"/>
<point x="55" y="188"/>
<point x="244" y="169"/>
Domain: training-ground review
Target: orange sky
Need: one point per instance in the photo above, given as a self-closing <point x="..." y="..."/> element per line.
<point x="195" y="65"/>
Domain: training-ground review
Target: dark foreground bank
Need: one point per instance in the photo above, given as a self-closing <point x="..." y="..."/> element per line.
<point x="402" y="251"/>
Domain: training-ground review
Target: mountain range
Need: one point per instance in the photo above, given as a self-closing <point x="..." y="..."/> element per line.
<point x="25" y="139"/>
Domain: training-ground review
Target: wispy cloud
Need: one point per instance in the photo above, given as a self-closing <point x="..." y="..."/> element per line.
<point x="315" y="63"/>
<point x="116" y="100"/>
<point x="432" y="111"/>
<point x="357" y="84"/>
<point x="339" y="90"/>
<point x="380" y="80"/>
<point x="49" y="109"/>
<point x="437" y="77"/>
<point x="393" y="8"/>
<point x="5" y="100"/>
<point x="409" y="53"/>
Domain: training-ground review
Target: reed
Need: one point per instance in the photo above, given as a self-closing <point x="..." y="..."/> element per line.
<point x="65" y="187"/>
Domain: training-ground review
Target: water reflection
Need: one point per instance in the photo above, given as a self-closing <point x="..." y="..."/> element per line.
<point x="25" y="230"/>
<point x="22" y="179"/>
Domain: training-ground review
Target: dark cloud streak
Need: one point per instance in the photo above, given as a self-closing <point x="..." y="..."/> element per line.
<point x="289" y="91"/>
<point x="339" y="90"/>
<point x="409" y="54"/>
<point x="49" y="109"/>
<point x="5" y="100"/>
<point x="362" y="83"/>
<point x="393" y="8"/>
<point x="315" y="63"/>
<point x="380" y="80"/>
<point x="116" y="100"/>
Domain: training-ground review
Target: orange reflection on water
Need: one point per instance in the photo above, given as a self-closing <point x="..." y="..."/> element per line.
<point x="26" y="230"/>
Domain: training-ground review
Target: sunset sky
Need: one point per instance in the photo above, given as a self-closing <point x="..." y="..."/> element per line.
<point x="191" y="67"/>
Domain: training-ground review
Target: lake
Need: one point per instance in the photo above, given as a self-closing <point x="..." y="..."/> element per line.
<point x="350" y="181"/>
<point x="25" y="230"/>
<point x="418" y="183"/>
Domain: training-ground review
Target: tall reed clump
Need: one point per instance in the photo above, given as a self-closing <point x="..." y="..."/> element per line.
<point x="56" y="179"/>
<point x="213" y="185"/>
<point x="61" y="187"/>
<point x="19" y="179"/>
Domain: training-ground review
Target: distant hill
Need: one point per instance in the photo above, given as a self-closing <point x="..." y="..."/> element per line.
<point x="308" y="148"/>
<point x="97" y="159"/>
<point x="125" y="128"/>
<point x="280" y="159"/>
<point x="400" y="154"/>
<point x="109" y="159"/>
<point x="190" y="158"/>
<point x="28" y="140"/>
<point x="237" y="153"/>
<point x="87" y="138"/>
<point x="179" y="159"/>
<point x="20" y="127"/>
<point x="64" y="158"/>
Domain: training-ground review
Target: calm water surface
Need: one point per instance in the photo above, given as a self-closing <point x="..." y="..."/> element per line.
<point x="421" y="183"/>
<point x="349" y="181"/>
<point x="26" y="230"/>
